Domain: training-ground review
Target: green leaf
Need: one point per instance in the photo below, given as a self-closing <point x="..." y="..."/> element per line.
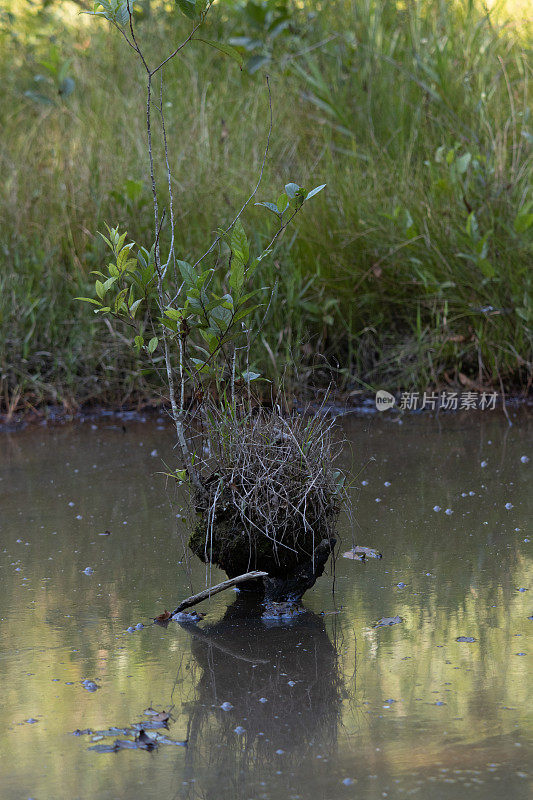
<point x="250" y="376"/>
<point x="236" y="278"/>
<point x="282" y="202"/>
<point x="291" y="190"/>
<point x="314" y="191"/>
<point x="239" y="241"/>
<point x="152" y="344"/>
<point x="246" y="312"/>
<point x="100" y="291"/>
<point x="108" y="284"/>
<point x="242" y="300"/>
<point x="271" y="207"/>
<point x="188" y="274"/>
<point x="173" y="313"/>
<point x="134" y="306"/>
<point x="187" y="7"/>
<point x="88" y="300"/>
<point x="227" y="49"/>
<point x="138" y="343"/>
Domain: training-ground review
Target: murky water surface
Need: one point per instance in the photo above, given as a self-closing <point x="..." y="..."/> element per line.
<point x="328" y="707"/>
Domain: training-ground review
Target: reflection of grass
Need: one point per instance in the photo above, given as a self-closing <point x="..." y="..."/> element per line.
<point x="388" y="271"/>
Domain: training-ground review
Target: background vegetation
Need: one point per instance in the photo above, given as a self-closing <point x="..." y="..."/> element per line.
<point x="412" y="269"/>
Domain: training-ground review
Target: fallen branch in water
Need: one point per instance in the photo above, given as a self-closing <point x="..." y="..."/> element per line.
<point x="197" y="598"/>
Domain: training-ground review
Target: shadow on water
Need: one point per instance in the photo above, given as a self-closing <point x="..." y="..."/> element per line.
<point x="267" y="699"/>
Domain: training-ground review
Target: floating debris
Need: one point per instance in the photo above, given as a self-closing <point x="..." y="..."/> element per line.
<point x="226" y="706"/>
<point x="361" y="553"/>
<point x="91" y="686"/>
<point x="88" y="571"/>
<point x="239" y="730"/>
<point x="385" y="621"/>
<point x="188" y="616"/>
<point x="524" y="459"/>
<point x="465" y="639"/>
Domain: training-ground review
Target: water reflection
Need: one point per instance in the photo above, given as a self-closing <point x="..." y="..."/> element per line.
<point x="267" y="700"/>
<point x="428" y="715"/>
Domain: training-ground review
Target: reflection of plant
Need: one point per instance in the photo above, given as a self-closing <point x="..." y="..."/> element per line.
<point x="288" y="697"/>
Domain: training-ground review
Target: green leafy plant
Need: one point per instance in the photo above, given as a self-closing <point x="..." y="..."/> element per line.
<point x="178" y="318"/>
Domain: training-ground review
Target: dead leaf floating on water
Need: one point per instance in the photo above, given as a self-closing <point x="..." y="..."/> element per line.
<point x="361" y="553"/>
<point x="384" y="621"/>
<point x="164" y="617"/>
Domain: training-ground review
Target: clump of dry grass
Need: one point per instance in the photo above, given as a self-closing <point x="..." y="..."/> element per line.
<point x="272" y="493"/>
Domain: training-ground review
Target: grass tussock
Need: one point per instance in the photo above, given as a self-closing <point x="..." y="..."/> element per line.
<point x="272" y="493"/>
<point x="413" y="268"/>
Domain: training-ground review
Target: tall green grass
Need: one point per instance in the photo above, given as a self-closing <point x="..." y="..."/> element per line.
<point x="415" y="266"/>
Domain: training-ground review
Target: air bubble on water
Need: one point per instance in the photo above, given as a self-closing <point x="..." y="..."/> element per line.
<point x="508" y="506"/>
<point x="387" y="483"/>
<point x="484" y="463"/>
<point x="436" y="508"/>
<point x="153" y="453"/>
<point x="239" y="730"/>
<point x="71" y="504"/>
<point x="448" y="511"/>
<point x="524" y="459"/>
<point x="364" y="483"/>
<point x="226" y="706"/>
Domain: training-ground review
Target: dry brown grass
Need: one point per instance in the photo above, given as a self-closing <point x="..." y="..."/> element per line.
<point x="272" y="491"/>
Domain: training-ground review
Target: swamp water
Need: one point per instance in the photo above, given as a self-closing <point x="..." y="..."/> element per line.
<point x="326" y="707"/>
